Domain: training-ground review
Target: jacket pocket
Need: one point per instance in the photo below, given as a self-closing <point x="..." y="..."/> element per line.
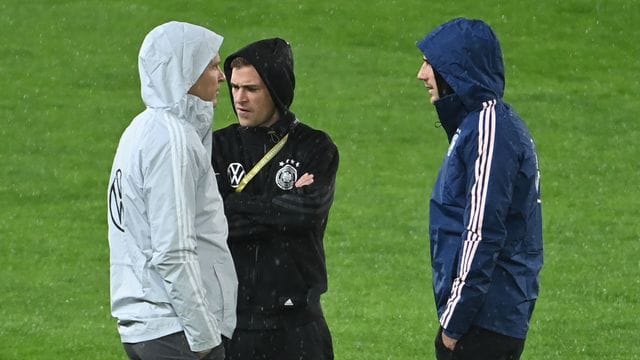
<point x="225" y="299"/>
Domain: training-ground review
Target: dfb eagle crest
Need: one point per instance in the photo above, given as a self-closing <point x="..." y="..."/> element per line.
<point x="287" y="176"/>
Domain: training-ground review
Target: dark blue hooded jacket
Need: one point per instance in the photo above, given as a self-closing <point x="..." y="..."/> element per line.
<point x="485" y="216"/>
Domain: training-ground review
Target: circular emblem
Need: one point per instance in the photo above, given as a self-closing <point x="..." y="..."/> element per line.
<point x="235" y="171"/>
<point x="286" y="177"/>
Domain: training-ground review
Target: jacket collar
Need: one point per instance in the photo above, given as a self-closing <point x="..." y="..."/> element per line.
<point x="451" y="112"/>
<point x="276" y="131"/>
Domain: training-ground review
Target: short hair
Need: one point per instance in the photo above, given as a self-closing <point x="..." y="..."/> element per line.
<point x="238" y="63"/>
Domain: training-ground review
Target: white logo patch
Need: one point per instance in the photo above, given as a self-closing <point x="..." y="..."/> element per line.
<point x="287" y="176"/>
<point x="453" y="142"/>
<point x="235" y="171"/>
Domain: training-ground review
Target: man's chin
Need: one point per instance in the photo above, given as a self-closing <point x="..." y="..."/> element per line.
<point x="244" y="122"/>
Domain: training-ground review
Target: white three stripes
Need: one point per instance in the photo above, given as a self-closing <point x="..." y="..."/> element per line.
<point x="184" y="219"/>
<point x="486" y="139"/>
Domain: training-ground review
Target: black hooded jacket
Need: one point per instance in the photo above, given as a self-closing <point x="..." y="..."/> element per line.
<point x="275" y="229"/>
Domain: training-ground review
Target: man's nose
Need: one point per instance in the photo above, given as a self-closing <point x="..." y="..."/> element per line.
<point x="421" y="74"/>
<point x="240" y="96"/>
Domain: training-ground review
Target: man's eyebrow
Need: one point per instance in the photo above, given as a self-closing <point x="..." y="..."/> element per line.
<point x="250" y="85"/>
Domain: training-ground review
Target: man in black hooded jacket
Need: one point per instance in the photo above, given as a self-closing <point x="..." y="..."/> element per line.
<point x="277" y="178"/>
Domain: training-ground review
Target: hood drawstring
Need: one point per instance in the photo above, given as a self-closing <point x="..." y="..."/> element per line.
<point x="274" y="136"/>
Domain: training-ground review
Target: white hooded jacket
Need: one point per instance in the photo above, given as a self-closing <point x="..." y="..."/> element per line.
<point x="171" y="269"/>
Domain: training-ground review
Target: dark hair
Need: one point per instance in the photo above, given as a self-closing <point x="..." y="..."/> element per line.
<point x="239" y="62"/>
<point x="443" y="87"/>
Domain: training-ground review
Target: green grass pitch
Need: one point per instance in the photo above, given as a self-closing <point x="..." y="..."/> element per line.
<point x="70" y="86"/>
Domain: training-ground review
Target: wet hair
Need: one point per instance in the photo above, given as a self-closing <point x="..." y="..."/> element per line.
<point x="239" y="62"/>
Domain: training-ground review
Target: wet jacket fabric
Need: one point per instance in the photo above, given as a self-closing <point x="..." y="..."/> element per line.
<point x="171" y="269"/>
<point x="275" y="229"/>
<point x="485" y="212"/>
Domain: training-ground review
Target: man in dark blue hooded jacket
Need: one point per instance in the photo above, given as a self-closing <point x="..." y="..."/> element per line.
<point x="485" y="216"/>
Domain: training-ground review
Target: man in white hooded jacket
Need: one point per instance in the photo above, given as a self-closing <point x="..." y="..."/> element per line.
<point x="173" y="282"/>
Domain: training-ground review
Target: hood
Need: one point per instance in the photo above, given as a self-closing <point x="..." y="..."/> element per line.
<point x="172" y="57"/>
<point x="273" y="60"/>
<point x="467" y="54"/>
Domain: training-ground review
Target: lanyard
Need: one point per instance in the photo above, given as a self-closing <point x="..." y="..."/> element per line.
<point x="265" y="159"/>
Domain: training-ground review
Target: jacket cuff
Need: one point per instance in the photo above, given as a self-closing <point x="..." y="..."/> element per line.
<point x="453" y="335"/>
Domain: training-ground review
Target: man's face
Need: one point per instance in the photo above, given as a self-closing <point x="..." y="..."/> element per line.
<point x="428" y="77"/>
<point x="251" y="98"/>
<point x="207" y="87"/>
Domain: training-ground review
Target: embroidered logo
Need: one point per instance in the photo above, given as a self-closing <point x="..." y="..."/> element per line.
<point x="533" y="146"/>
<point x="287" y="176"/>
<point x="235" y="171"/>
<point x="116" y="207"/>
<point x="454" y="139"/>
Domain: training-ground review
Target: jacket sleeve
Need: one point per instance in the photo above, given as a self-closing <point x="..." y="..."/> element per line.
<point x="299" y="209"/>
<point x="171" y="178"/>
<point x="491" y="165"/>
